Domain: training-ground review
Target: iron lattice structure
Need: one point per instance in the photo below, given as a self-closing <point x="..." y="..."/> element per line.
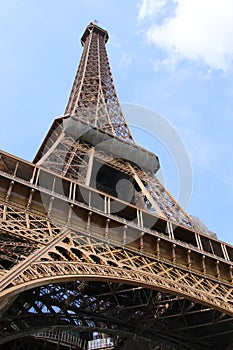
<point x="95" y="253"/>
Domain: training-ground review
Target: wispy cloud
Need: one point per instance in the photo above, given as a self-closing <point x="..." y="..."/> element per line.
<point x="126" y="60"/>
<point x="168" y="63"/>
<point x="195" y="30"/>
<point x="151" y="8"/>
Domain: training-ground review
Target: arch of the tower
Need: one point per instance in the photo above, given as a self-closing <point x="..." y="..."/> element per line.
<point x="163" y="277"/>
<point x="126" y="313"/>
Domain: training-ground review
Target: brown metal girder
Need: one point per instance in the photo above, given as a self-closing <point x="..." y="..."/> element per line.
<point x="118" y="332"/>
<point x="165" y="239"/>
<point x="91" y="294"/>
<point x="62" y="271"/>
<point x="15" y="222"/>
<point x="19" y="268"/>
<point x="92" y="190"/>
<point x="56" y="124"/>
<point x="155" y="329"/>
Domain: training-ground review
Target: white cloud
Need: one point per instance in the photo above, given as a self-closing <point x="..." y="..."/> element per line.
<point x="168" y="63"/>
<point x="197" y="30"/>
<point x="125" y="60"/>
<point x="150" y="8"/>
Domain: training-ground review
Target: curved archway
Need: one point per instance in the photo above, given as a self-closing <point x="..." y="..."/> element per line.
<point x="166" y="278"/>
<point x="121" y="310"/>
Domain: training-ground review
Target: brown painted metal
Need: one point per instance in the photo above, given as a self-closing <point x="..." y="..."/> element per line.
<point x="77" y="256"/>
<point x="127" y="250"/>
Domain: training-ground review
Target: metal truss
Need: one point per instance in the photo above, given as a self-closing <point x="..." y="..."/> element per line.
<point x="93" y="97"/>
<point x="142" y="290"/>
<point x="72" y="159"/>
<point x="76" y="256"/>
<point x="132" y="316"/>
<point x="93" y="101"/>
<point x="133" y="245"/>
<point x="82" y="257"/>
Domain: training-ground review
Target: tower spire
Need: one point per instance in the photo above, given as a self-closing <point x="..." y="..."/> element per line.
<point x="93" y="97"/>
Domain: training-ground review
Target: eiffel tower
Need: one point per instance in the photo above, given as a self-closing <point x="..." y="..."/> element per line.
<point x="95" y="253"/>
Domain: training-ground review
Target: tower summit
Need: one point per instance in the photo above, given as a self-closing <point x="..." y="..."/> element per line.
<point x="93" y="97"/>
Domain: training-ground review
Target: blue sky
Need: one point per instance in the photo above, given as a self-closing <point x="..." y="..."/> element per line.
<point x="174" y="57"/>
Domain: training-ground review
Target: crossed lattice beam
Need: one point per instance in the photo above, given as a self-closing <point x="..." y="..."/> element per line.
<point x="74" y="254"/>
